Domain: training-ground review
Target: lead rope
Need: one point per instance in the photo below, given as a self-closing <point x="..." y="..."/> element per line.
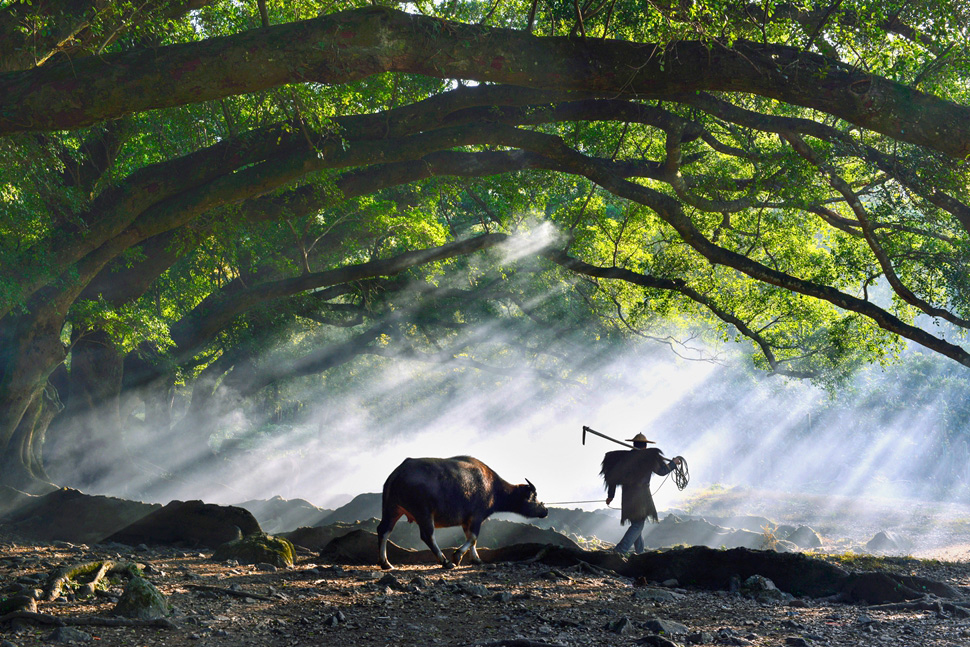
<point x="566" y="502"/>
<point x="681" y="479"/>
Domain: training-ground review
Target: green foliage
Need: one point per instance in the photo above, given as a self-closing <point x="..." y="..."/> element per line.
<point x="862" y="562"/>
<point x="152" y="222"/>
<point x="130" y="325"/>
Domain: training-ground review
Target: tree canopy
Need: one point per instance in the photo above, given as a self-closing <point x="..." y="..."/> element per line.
<point x="183" y="181"/>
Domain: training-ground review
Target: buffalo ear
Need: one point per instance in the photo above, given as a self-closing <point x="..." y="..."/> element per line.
<point x="530" y="485"/>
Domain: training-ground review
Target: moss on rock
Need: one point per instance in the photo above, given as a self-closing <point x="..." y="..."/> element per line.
<point x="17" y="603"/>
<point x="258" y="549"/>
<point x="141" y="600"/>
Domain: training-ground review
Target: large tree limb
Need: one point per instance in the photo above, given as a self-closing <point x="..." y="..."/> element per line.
<point x="165" y="195"/>
<point x="214" y="313"/>
<point x="673" y="214"/>
<point x="92" y="571"/>
<point x="160" y="253"/>
<point x="885" y="163"/>
<point x="250" y="182"/>
<point x="680" y="286"/>
<point x="114" y="210"/>
<point x="885" y="262"/>
<point x="352" y="45"/>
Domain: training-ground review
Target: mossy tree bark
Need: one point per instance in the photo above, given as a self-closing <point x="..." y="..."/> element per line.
<point x="355" y="44"/>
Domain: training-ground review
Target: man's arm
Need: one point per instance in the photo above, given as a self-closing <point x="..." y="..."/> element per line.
<point x="610" y="492"/>
<point x="663" y="469"/>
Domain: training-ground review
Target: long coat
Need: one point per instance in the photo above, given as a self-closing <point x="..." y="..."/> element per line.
<point x="631" y="470"/>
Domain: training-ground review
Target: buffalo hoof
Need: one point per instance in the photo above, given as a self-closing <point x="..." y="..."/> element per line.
<point x="447" y="565"/>
<point x="387" y="567"/>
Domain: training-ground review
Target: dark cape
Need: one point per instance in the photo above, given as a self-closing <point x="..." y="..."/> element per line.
<point x="631" y="470"/>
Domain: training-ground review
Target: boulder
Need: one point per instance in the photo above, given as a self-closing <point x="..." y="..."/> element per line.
<point x="762" y="589"/>
<point x="190" y="522"/>
<point x="141" y="600"/>
<point x="887" y="541"/>
<point x="664" y="626"/>
<point x="69" y="635"/>
<point x="705" y="567"/>
<point x="258" y="549"/>
<point x="784" y="530"/>
<point x="804" y="537"/>
<point x="21" y="602"/>
<point x="875" y="587"/>
<point x="317" y="537"/>
<point x="672" y="531"/>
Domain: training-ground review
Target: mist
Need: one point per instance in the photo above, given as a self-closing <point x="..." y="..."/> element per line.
<point x="734" y="426"/>
<point x="516" y="396"/>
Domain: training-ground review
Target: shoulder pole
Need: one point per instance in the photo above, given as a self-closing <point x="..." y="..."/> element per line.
<point x="596" y="433"/>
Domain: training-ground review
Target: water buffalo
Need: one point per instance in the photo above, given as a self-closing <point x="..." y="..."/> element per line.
<point x="442" y="492"/>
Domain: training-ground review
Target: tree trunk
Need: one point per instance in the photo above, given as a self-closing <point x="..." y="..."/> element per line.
<point x="22" y="465"/>
<point x="85" y="443"/>
<point x="149" y="381"/>
<point x="30" y="350"/>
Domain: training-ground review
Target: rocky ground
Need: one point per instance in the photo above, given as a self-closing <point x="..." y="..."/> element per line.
<point x="522" y="605"/>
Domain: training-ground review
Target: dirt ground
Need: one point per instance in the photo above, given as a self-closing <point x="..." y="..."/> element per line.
<point x="517" y="605"/>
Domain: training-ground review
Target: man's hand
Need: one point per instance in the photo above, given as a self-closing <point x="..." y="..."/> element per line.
<point x="609" y="501"/>
<point x="678" y="460"/>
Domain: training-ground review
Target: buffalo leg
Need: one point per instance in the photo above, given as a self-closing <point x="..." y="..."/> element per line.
<point x="426" y="526"/>
<point x="384" y="529"/>
<point x="471" y="541"/>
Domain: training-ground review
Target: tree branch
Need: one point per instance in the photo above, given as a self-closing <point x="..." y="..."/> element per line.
<point x="882" y="257"/>
<point x="672" y="213"/>
<point x="355" y="44"/>
<point x="680" y="286"/>
<point x="216" y="311"/>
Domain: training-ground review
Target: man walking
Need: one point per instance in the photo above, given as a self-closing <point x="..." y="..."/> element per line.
<point x="631" y="469"/>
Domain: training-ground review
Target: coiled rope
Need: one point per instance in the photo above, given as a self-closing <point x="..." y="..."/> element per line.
<point x="681" y="474"/>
